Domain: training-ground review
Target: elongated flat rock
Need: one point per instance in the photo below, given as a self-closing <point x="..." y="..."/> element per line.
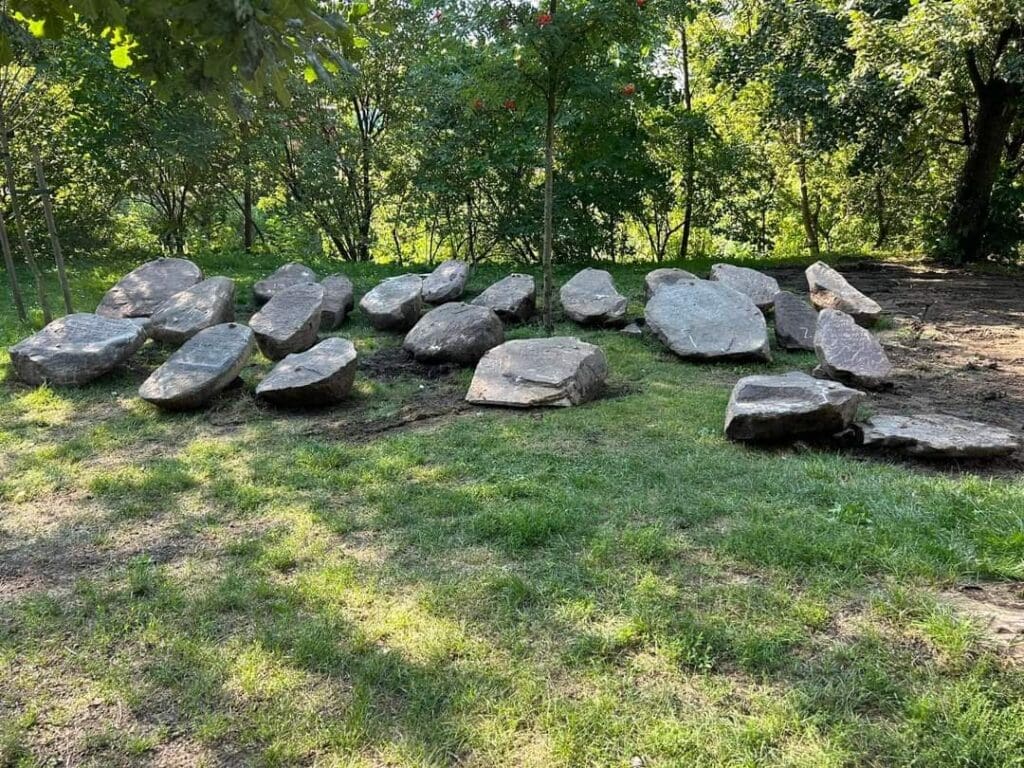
<point x="185" y="314"/>
<point x="319" y="376"/>
<point x="787" y="407"/>
<point x="830" y="290"/>
<point x="283" y="277"/>
<point x="795" y="322"/>
<point x="395" y="304"/>
<point x="759" y="287"/>
<point x="145" y="288"/>
<point x="936" y="436"/>
<point x="455" y="333"/>
<point x="846" y="352"/>
<point x="289" y="322"/>
<point x="659" y="278"/>
<point x="75" y="349"/>
<point x="591" y="298"/>
<point x="513" y="299"/>
<point x="446" y="283"/>
<point x="201" y="368"/>
<point x="339" y="300"/>
<point x="530" y="373"/>
<point x="702" y="320"/>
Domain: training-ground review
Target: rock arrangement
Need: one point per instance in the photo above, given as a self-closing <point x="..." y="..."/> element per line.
<point x="847" y="352"/>
<point x="795" y="322"/>
<point x="455" y="333"/>
<point x="141" y="292"/>
<point x="446" y="283"/>
<point x="283" y="277"/>
<point x="290" y="321"/>
<point x="395" y="304"/>
<point x="590" y="298"/>
<point x="513" y="299"/>
<point x="830" y="290"/>
<point x="321" y="376"/>
<point x="205" y="304"/>
<point x="339" y="300"/>
<point x="659" y="278"/>
<point x="759" y="287"/>
<point x="774" y="408"/>
<point x="934" y="436"/>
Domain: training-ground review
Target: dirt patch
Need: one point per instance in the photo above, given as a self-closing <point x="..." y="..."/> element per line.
<point x="997" y="609"/>
<point x="394" y="362"/>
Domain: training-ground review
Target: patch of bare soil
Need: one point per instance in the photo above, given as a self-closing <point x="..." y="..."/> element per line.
<point x="997" y="609"/>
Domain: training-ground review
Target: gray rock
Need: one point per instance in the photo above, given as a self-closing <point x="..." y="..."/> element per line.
<point x="201" y="368"/>
<point x="339" y="300"/>
<point x="289" y="322"/>
<point x="759" y="287"/>
<point x="830" y="290"/>
<point x="145" y="288"/>
<point x="529" y="373"/>
<point x="455" y="333"/>
<point x="395" y="304"/>
<point x="209" y="303"/>
<point x="512" y="298"/>
<point x="793" y="405"/>
<point x="702" y="320"/>
<point x="591" y="298"/>
<point x="320" y="376"/>
<point x="632" y="329"/>
<point x="659" y="278"/>
<point x="935" y="436"/>
<point x="795" y="322"/>
<point x="76" y="349"/>
<point x="846" y="352"/>
<point x="446" y="283"/>
<point x="283" y="277"/>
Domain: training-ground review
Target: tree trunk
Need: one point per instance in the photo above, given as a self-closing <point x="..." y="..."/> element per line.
<point x="366" y="217"/>
<point x="880" y="209"/>
<point x="248" y="223"/>
<point x="684" y="244"/>
<point x="12" y="277"/>
<point x="810" y="225"/>
<point x="51" y="226"/>
<point x="549" y="206"/>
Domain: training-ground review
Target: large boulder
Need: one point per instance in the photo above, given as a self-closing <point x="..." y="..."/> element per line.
<point x="795" y="322"/>
<point x="339" y="300"/>
<point x="455" y="333"/>
<point x="759" y="287"/>
<point x="320" y="376"/>
<point x="591" y="298"/>
<point x="145" y="288"/>
<point x="659" y="278"/>
<point x="846" y="352"/>
<point x="204" y="365"/>
<point x="283" y="277"/>
<point x="76" y="349"/>
<point x="830" y="290"/>
<point x="395" y="304"/>
<point x="185" y="314"/>
<point x="702" y="320"/>
<point x="513" y="298"/>
<point x="289" y="322"/>
<point x="529" y="373"/>
<point x="446" y="283"/>
<point x="793" y="405"/>
<point x="935" y="436"/>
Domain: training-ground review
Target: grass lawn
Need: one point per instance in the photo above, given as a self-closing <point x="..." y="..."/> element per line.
<point x="609" y="585"/>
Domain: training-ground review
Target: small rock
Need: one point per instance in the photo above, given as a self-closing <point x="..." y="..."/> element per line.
<point x="659" y="278"/>
<point x="830" y="290"/>
<point x="289" y="322"/>
<point x="793" y="405"/>
<point x="75" y="349"/>
<point x="935" y="436"/>
<point x="145" y="288"/>
<point x="455" y="333"/>
<point x="795" y="322"/>
<point x="846" y="352"/>
<point x="204" y="366"/>
<point x="759" y="287"/>
<point x="283" y="277"/>
<point x="395" y="304"/>
<point x="632" y="330"/>
<point x="529" y="373"/>
<point x="320" y="376"/>
<point x="339" y="300"/>
<point x="512" y="298"/>
<point x="591" y="298"/>
<point x="209" y="303"/>
<point x="446" y="283"/>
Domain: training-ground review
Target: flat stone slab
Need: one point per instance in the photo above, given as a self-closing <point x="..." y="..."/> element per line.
<point x="529" y="373"/>
<point x="704" y="320"/>
<point x="205" y="304"/>
<point x="513" y="299"/>
<point x="787" y="407"/>
<point x="759" y="287"/>
<point x="289" y="322"/>
<point x="339" y="300"/>
<point x="76" y="349"/>
<point x="281" y="278"/>
<point x="590" y="298"/>
<point x="446" y="283"/>
<point x="849" y="353"/>
<point x="830" y="290"/>
<point x="319" y="376"/>
<point x="145" y="288"/>
<point x="201" y="368"/>
<point x="455" y="333"/>
<point x="795" y="322"/>
<point x="935" y="436"/>
<point x="659" y="278"/>
<point x="395" y="304"/>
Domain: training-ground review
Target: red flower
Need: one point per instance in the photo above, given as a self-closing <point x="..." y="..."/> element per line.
<point x="543" y="20"/>
<point x="510" y="105"/>
<point x="478" y="104"/>
<point x="628" y="90"/>
<point x="641" y="3"/>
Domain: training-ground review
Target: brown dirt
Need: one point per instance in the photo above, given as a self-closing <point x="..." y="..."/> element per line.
<point x="997" y="610"/>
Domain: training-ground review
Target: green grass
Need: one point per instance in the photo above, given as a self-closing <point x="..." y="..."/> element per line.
<point x="566" y="588"/>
